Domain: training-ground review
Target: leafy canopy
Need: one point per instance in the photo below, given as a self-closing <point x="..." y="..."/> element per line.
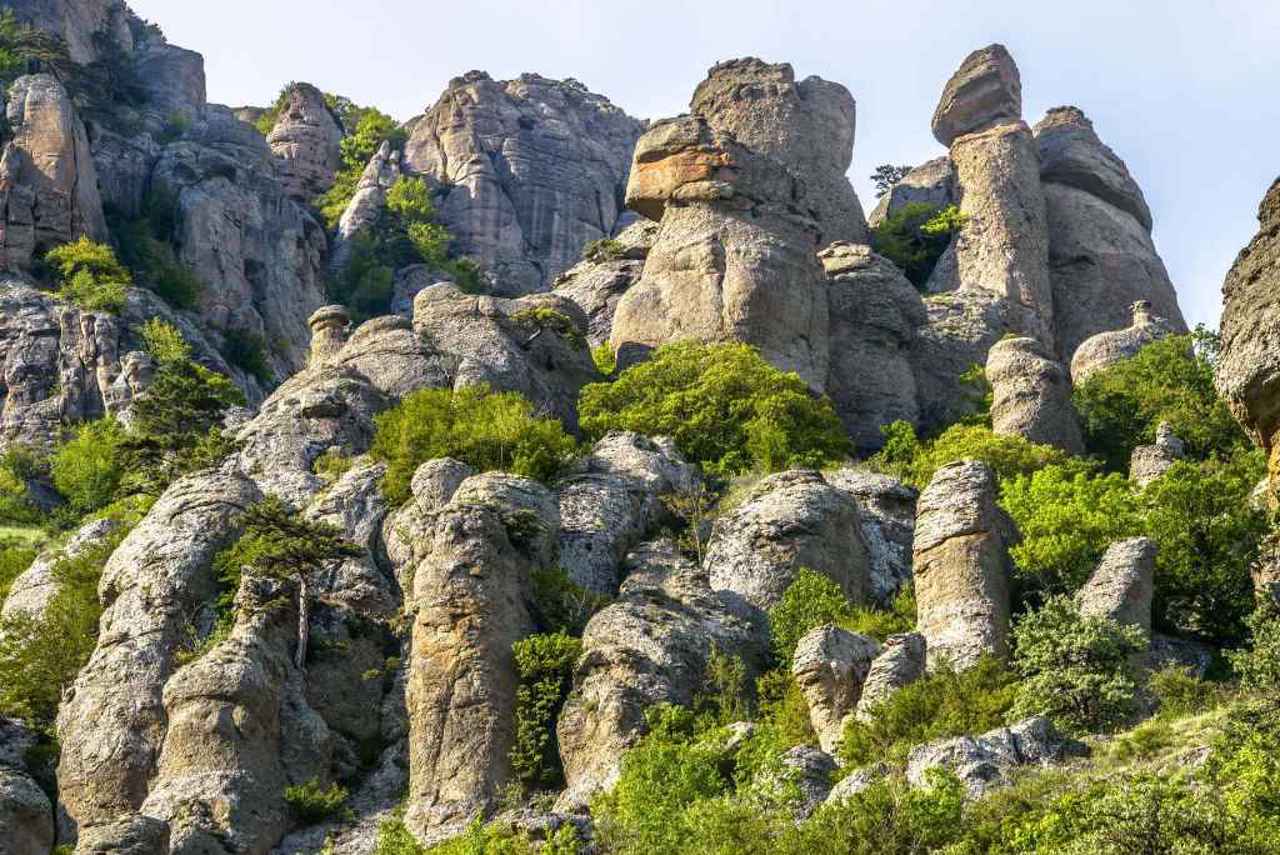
<point x="915" y="237"/>
<point x="89" y="275"/>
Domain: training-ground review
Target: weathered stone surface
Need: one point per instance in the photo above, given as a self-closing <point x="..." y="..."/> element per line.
<point x="830" y="665"/>
<point x="48" y="184"/>
<point x="469" y="601"/>
<point x="1121" y="587"/>
<point x="901" y="661"/>
<point x="857" y="781"/>
<point x="810" y="770"/>
<point x="132" y="835"/>
<point x="874" y="314"/>
<point x="962" y="566"/>
<point x="959" y="332"/>
<point x="305" y="140"/>
<point x="596" y="285"/>
<point x="611" y="501"/>
<point x="1149" y="462"/>
<point x="1108" y="348"/>
<point x="32" y="590"/>
<point x="89" y="28"/>
<point x="1071" y="154"/>
<point x="532" y="170"/>
<point x="785" y="522"/>
<point x="1031" y="395"/>
<point x="931" y="183"/>
<point x="887" y="515"/>
<point x="1265" y="572"/>
<point x="984" y="762"/>
<point x="807" y="126"/>
<point x="501" y="343"/>
<point x="649" y="647"/>
<point x="26" y="817"/>
<point x="174" y="83"/>
<point x="985" y="91"/>
<point x="394" y="358"/>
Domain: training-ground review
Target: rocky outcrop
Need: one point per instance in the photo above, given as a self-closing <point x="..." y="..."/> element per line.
<point x="874" y="314"/>
<point x="931" y="183"/>
<point x="649" y="647"/>
<point x="597" y="284"/>
<point x="809" y="771"/>
<point x="611" y="500"/>
<point x="1108" y="348"/>
<point x="1101" y="255"/>
<point x="786" y="522"/>
<point x="26" y="816"/>
<point x="960" y="330"/>
<point x="90" y="29"/>
<point x="887" y="516"/>
<point x="367" y="203"/>
<point x="1031" y="395"/>
<point x="1120" y="588"/>
<point x="985" y="91"/>
<point x="470" y="604"/>
<point x="985" y="762"/>
<point x="901" y="661"/>
<point x="962" y="566"/>
<point x="1149" y="462"/>
<point x="305" y="141"/>
<point x="530" y="170"/>
<point x="1248" y="375"/>
<point x="830" y="665"/>
<point x="48" y="183"/>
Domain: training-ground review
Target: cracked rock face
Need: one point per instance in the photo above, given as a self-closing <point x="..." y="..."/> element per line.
<point x="305" y="140"/>
<point x="597" y="285"/>
<point x="900" y="662"/>
<point x="830" y="666"/>
<point x="985" y="762"/>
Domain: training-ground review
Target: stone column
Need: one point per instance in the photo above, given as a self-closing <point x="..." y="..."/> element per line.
<point x="1031" y="395"/>
<point x="329" y="325"/>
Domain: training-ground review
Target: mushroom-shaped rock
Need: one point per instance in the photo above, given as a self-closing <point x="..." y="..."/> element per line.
<point x="962" y="566"/>
<point x="1121" y="588"/>
<point x="788" y="521"/>
<point x="1108" y="348"/>
<point x="901" y="661"/>
<point x="1031" y="395"/>
<point x="306" y="140"/>
<point x="830" y="665"/>
<point x="1149" y="462"/>
<point x="985" y="91"/>
<point x="329" y="326"/>
<point x="985" y="762"/>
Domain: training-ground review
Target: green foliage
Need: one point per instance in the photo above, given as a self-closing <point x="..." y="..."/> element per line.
<point x="782" y="708"/>
<point x="144" y="248"/>
<point x="560" y="605"/>
<point x="15" y="557"/>
<point x="887" y="175"/>
<point x="278" y="543"/>
<point x="1168" y="380"/>
<point x="311" y="802"/>
<point x="725" y="407"/>
<point x="176" y="126"/>
<point x="545" y="665"/>
<point x="12" y="61"/>
<point x="248" y="351"/>
<point x="479" y="839"/>
<point x="604" y="359"/>
<point x="1179" y="692"/>
<point x="810" y="601"/>
<point x="20" y="465"/>
<point x="332" y="464"/>
<point x="942" y="704"/>
<point x="914" y="461"/>
<point x="1258" y="666"/>
<point x="89" y="275"/>
<point x="88" y="469"/>
<point x="1075" y="669"/>
<point x="365" y="284"/>
<point x="367" y="129"/>
<point x="544" y="318"/>
<point x="915" y="237"/>
<point x="723" y="698"/>
<point x="164" y="342"/>
<point x="488" y="430"/>
<point x="603" y="249"/>
<point x="409" y="202"/>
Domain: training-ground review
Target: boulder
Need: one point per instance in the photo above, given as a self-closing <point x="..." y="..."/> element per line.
<point x="985" y="91"/>
<point x="931" y="183"/>
<point x="532" y="169"/>
<point x="961" y="563"/>
<point x="985" y="762"/>
<point x="1149" y="462"/>
<point x="1031" y="395"/>
<point x="26" y="817"/>
<point x="305" y="140"/>
<point x="1108" y="348"/>
<point x="900" y="662"/>
<point x="830" y="665"/>
<point x="1121" y="587"/>
<point x="810" y="771"/>
<point x="597" y="284"/>
<point x="874" y="314"/>
<point x="395" y="359"/>
<point x="887" y="516"/>
<point x="857" y="781"/>
<point x="131" y="835"/>
<point x="785" y="522"/>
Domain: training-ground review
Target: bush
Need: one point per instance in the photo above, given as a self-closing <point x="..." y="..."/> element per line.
<point x="915" y="237"/>
<point x="145" y="251"/>
<point x="560" y="605"/>
<point x="915" y="461"/>
<point x="1258" y="666"/>
<point x="479" y="839"/>
<point x="545" y="664"/>
<point x="88" y="469"/>
<point x="942" y="704"/>
<point x="810" y="601"/>
<point x="487" y="430"/>
<point x="602" y="250"/>
<point x="725" y="407"/>
<point x="15" y="557"/>
<point x="1179" y="692"/>
<point x="1076" y="670"/>
<point x="248" y="352"/>
<point x="604" y="359"/>
<point x="311" y="803"/>
<point x="547" y="319"/>
<point x="19" y="466"/>
<point x="89" y="275"/>
<point x="1168" y="380"/>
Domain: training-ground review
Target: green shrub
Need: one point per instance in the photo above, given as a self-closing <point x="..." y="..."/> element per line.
<point x="810" y="601"/>
<point x="604" y="359"/>
<point x="942" y="704"/>
<point x="1076" y="670"/>
<point x="164" y="342"/>
<point x="19" y="466"/>
<point x="915" y="237"/>
<point x="603" y="249"/>
<point x="247" y="351"/>
<point x="151" y="258"/>
<point x="332" y="464"/>
<point x="560" y="605"/>
<point x="1169" y="380"/>
<point x="311" y="802"/>
<point x="88" y="469"/>
<point x="367" y="128"/>
<point x="548" y="319"/>
<point x="176" y="126"/>
<point x="494" y="838"/>
<point x="1179" y="692"/>
<point x="1258" y="666"/>
<point x="89" y="275"/>
<point x="545" y="665"/>
<point x="15" y="557"/>
<point x="915" y="461"/>
<point x="725" y="407"/>
<point x="783" y="709"/>
<point x="487" y="430"/>
<point x="366" y="283"/>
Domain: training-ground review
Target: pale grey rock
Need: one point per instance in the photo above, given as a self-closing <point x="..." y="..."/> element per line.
<point x="91" y="29"/>
<point x="959" y="332"/>
<point x="810" y="770"/>
<point x="874" y="313"/>
<point x="985" y="91"/>
<point x="1195" y="657"/>
<point x="26" y="817"/>
<point x="131" y="835"/>
<point x="597" y="284"/>
<point x="648" y="647"/>
<point x="1120" y="588"/>
<point x="931" y="183"/>
<point x="34" y="587"/>
<point x="1072" y="154"/>
<point x="409" y="282"/>
<point x="1108" y="348"/>
<point x="367" y="204"/>
<point x="305" y="140"/>
<point x="984" y="763"/>
<point x="529" y="169"/>
<point x="962" y="566"/>
<point x="395" y="358"/>
<point x="856" y="782"/>
<point x="330" y="326"/>
<point x="887" y="515"/>
<point x="1149" y="462"/>
<point x="174" y="83"/>
<point x="830" y="665"/>
<point x="432" y="486"/>
<point x="785" y="522"/>
<point x="1031" y="395"/>
<point x="901" y="662"/>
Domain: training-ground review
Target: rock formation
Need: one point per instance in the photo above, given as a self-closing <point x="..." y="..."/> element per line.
<point x="931" y="183"/>
<point x="962" y="566"/>
<point x="1121" y="587"/>
<point x="1149" y="462"/>
<point x="597" y="284"/>
<point x="305" y="140"/>
<point x="887" y="516"/>
<point x="32" y="590"/>
<point x="985" y="762"/>
<point x="1108" y="348"/>
<point x="26" y="816"/>
<point x="367" y="204"/>
<point x="985" y="91"/>
<point x="1031" y="395"/>
<point x="900" y="662"/>
<point x="830" y="665"/>
<point x="89" y="28"/>
<point x="530" y="171"/>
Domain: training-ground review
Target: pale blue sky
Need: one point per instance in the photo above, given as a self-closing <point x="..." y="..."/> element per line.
<point x="1185" y="92"/>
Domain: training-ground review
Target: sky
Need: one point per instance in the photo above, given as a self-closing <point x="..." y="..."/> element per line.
<point x="1184" y="92"/>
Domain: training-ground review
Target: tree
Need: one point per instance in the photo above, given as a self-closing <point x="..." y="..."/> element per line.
<point x="89" y="275"/>
<point x="886" y="176"/>
<point x="915" y="236"/>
